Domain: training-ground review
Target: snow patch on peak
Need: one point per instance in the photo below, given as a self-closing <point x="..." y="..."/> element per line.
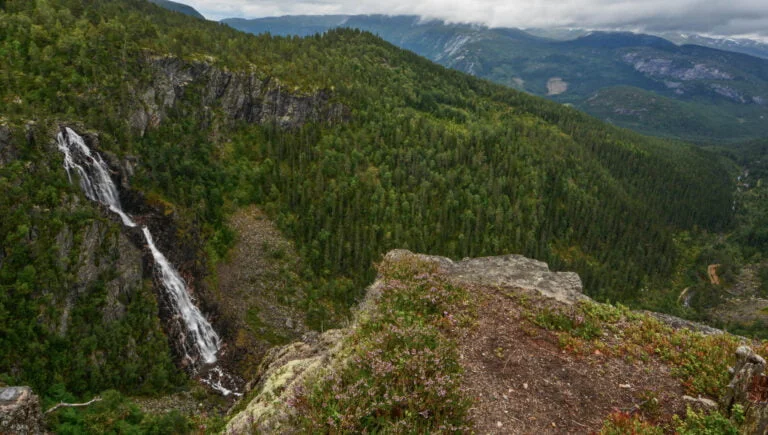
<point x="453" y="46"/>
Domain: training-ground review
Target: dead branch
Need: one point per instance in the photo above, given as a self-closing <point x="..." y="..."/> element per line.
<point x="72" y="405"/>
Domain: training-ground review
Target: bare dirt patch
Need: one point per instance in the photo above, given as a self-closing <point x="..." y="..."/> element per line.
<point x="712" y="273"/>
<point x="523" y="382"/>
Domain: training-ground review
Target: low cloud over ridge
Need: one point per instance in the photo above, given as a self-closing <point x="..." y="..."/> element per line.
<point x="734" y="17"/>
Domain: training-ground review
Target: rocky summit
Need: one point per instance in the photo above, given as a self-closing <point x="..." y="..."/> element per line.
<point x="532" y="354"/>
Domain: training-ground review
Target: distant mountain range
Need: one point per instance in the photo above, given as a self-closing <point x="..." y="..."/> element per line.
<point x="739" y="45"/>
<point x="638" y="81"/>
<point x="748" y="46"/>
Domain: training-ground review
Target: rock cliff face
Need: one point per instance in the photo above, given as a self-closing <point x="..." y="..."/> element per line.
<point x="98" y="251"/>
<point x="241" y="96"/>
<point x="86" y="261"/>
<point x="667" y="68"/>
<point x="20" y="411"/>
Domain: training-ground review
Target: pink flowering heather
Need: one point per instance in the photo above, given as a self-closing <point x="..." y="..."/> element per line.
<point x="403" y="375"/>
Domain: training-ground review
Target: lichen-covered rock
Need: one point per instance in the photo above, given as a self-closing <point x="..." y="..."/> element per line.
<point x="20" y="411"/>
<point x="511" y="271"/>
<point x="749" y="389"/>
<point x="281" y="372"/>
<point x="701" y="403"/>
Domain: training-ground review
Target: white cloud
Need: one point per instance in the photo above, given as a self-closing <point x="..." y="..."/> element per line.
<point x="725" y="17"/>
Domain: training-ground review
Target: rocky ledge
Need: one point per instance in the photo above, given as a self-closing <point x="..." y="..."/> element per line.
<point x="284" y="368"/>
<point x="20" y="411"/>
<point x="511" y="348"/>
<point x="512" y="271"/>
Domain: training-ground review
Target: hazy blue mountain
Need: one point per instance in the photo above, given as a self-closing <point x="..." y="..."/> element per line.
<point x="729" y="88"/>
<point x="748" y="46"/>
<point x="178" y="7"/>
<point x="739" y="45"/>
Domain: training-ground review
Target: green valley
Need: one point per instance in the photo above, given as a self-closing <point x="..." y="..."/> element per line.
<point x="276" y="172"/>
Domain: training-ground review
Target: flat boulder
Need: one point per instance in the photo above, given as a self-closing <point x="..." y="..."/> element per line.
<point x="507" y="271"/>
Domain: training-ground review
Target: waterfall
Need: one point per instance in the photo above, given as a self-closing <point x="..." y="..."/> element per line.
<point x="94" y="176"/>
<point x="202" y="333"/>
<point x="98" y="186"/>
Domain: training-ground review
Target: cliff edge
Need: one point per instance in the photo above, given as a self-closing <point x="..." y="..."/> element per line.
<point x="492" y="345"/>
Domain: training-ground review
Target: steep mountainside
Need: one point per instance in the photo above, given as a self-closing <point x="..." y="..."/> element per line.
<point x="178" y="7"/>
<point x="341" y="143"/>
<point x="731" y="87"/>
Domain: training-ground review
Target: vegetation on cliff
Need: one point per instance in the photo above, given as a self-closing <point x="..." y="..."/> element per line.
<point x="434" y="350"/>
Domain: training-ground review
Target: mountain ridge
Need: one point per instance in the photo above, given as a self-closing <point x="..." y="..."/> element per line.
<point x="581" y="66"/>
<point x="178" y="7"/>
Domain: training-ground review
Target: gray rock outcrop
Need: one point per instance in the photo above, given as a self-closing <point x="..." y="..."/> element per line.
<point x="678" y="323"/>
<point x="20" y="411"/>
<point x="242" y="96"/>
<point x="85" y="260"/>
<point x="661" y="67"/>
<point x="510" y="271"/>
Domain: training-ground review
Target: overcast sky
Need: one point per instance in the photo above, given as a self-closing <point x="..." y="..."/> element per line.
<point x="720" y="17"/>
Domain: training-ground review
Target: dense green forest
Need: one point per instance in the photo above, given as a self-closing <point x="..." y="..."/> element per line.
<point x="428" y="159"/>
<point x="738" y="302"/>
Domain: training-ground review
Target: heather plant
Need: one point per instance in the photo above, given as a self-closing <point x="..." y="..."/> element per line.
<point x="402" y="374"/>
<point x="700" y="361"/>
<point x="623" y="423"/>
<point x="694" y="423"/>
<point x="573" y="323"/>
<point x="712" y="423"/>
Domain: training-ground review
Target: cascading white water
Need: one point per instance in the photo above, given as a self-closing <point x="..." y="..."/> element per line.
<point x="94" y="177"/>
<point x="203" y="335"/>
<point x="98" y="186"/>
